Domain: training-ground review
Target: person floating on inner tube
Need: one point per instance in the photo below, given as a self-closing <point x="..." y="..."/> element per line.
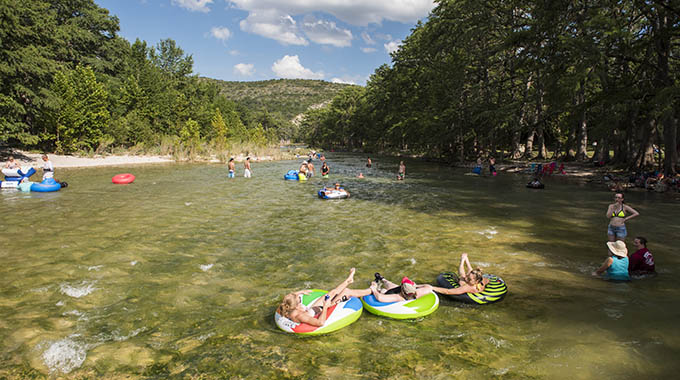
<point x="11" y="163"/>
<point x="535" y="184"/>
<point x="470" y="280"/>
<point x="336" y="188"/>
<point x="386" y="291"/>
<point x="315" y="314"/>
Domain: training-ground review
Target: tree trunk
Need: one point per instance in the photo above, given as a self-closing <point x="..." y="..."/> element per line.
<point x="670" y="137"/>
<point x="528" y="150"/>
<point x="645" y="154"/>
<point x="542" y="151"/>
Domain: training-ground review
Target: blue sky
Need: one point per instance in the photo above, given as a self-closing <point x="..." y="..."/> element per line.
<point x="242" y="40"/>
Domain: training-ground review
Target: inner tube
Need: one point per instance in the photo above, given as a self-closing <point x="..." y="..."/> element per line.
<point x="532" y="186"/>
<point x="333" y="194"/>
<point x="292" y="175"/>
<point x="46" y="186"/>
<point x="18" y="174"/>
<point x="337" y="316"/>
<point x="9" y="184"/>
<point x="494" y="291"/>
<point x="123" y="179"/>
<point x="409" y="309"/>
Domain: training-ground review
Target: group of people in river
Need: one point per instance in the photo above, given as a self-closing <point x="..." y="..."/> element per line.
<point x="618" y="266"/>
<point x="247" y="170"/>
<point x="47" y="167"/>
<point x="470" y="281"/>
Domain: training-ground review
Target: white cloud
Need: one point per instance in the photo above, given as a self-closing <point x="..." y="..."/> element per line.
<point x="392" y="46"/>
<point x="367" y="38"/>
<point x="343" y="81"/>
<point x="291" y="68"/>
<point x="194" y="5"/>
<point x="273" y="24"/>
<point x="234" y="53"/>
<point x="368" y="50"/>
<point x="326" y="32"/>
<point x="244" y="69"/>
<point x="355" y="12"/>
<point x="220" y="32"/>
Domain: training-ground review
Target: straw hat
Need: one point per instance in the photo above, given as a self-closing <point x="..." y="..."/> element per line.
<point x="618" y="248"/>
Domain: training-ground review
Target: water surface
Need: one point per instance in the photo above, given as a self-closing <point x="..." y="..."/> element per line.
<point x="178" y="275"/>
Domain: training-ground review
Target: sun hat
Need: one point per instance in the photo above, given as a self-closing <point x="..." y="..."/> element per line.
<point x="618" y="248"/>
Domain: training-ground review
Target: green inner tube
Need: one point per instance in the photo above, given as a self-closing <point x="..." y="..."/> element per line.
<point x="494" y="291"/>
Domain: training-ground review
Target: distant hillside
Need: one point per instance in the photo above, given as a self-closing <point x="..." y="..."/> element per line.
<point x="286" y="97"/>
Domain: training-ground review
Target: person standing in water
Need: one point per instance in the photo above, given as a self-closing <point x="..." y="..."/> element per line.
<point x="492" y="166"/>
<point x="310" y="168"/>
<point x="369" y="163"/>
<point x="232" y="168"/>
<point x="325" y="169"/>
<point x="402" y="171"/>
<point x="247" y="173"/>
<point x="618" y="213"/>
<point x="47" y="167"/>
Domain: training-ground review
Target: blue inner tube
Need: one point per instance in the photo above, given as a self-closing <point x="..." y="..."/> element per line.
<point x="46" y="186"/>
<point x="494" y="291"/>
<point x="292" y="175"/>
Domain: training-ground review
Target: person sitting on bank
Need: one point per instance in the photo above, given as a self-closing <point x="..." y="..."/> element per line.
<point x="641" y="262"/>
<point x="386" y="291"/>
<point x="470" y="280"/>
<point x="616" y="265"/>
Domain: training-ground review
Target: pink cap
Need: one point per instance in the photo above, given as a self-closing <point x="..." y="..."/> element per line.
<point x="406" y="280"/>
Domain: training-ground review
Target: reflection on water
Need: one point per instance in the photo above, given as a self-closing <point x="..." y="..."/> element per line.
<point x="178" y="275"/>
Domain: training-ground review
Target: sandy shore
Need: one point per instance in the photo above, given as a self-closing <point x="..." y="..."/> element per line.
<point x="61" y="161"/>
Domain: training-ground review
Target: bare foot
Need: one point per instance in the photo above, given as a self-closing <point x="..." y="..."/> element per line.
<point x="350" y="278"/>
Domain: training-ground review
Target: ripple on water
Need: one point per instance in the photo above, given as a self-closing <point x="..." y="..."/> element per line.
<point x="206" y="267"/>
<point x="80" y="290"/>
<point x="64" y="355"/>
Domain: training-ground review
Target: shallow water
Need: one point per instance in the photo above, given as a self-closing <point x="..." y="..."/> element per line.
<point x="178" y="275"/>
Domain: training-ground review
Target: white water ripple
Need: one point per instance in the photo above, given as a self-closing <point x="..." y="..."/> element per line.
<point x="64" y="355"/>
<point x="80" y="290"/>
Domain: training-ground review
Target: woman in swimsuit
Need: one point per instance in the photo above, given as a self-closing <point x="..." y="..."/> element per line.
<point x="386" y="291"/>
<point x="316" y="313"/>
<point x="470" y="280"/>
<point x="618" y="213"/>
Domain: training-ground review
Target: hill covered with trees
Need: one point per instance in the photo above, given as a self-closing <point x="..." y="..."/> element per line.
<point x="285" y="97"/>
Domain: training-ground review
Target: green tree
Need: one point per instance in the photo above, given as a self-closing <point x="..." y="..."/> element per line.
<point x="81" y="114"/>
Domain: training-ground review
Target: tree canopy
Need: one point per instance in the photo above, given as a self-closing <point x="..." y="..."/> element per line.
<point x="521" y="78"/>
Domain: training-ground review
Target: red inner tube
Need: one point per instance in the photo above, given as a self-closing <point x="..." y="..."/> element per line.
<point x="123" y="179"/>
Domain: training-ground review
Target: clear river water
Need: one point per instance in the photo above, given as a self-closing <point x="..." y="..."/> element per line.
<point x="178" y="275"/>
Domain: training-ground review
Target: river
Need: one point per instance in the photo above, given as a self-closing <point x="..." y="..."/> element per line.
<point x="178" y="275"/>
